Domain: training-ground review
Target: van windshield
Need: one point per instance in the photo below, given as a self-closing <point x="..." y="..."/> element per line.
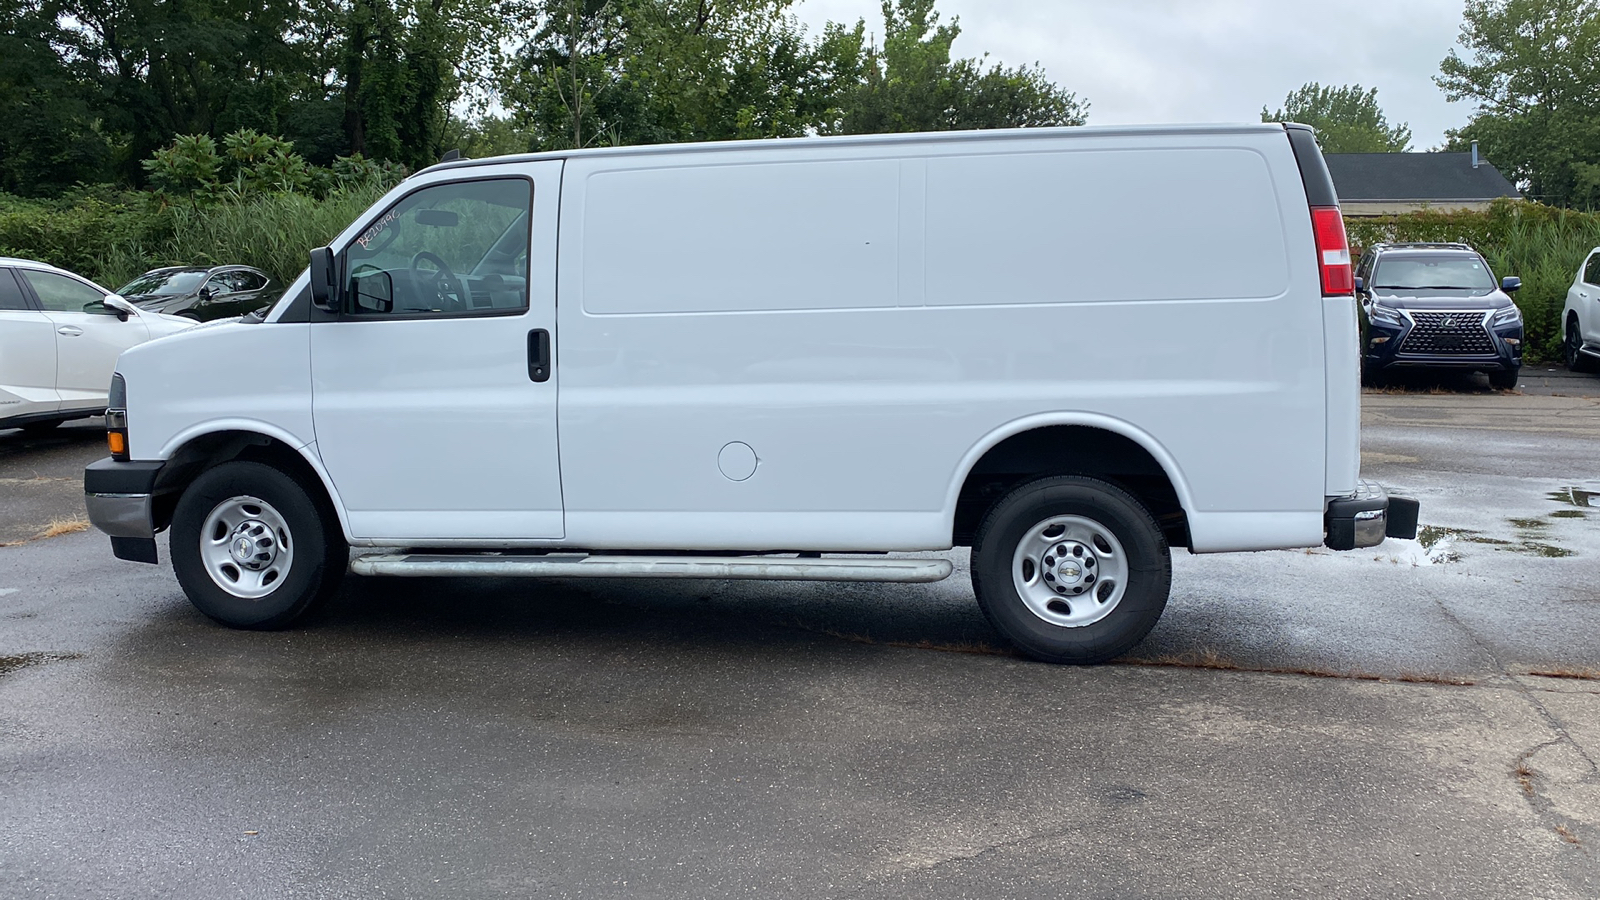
<point x="1432" y="273"/>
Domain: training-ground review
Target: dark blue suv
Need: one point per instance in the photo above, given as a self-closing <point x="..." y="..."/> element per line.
<point x="1436" y="306"/>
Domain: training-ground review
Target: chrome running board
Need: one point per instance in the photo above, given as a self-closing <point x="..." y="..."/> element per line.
<point x="769" y="568"/>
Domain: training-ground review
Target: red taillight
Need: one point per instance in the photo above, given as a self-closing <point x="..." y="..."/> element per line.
<point x="1333" y="251"/>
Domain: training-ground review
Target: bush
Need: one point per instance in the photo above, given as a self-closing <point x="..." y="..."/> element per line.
<point x="1542" y="245"/>
<point x="273" y="232"/>
<point x="257" y="203"/>
<point x="105" y="235"/>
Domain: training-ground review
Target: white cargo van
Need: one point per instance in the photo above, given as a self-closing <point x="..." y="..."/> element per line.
<point x="1069" y="349"/>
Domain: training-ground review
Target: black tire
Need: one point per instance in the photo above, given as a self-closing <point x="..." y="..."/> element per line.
<point x="1041" y="635"/>
<point x="307" y="533"/>
<point x="1372" y="376"/>
<point x="1572" y="350"/>
<point x="1504" y="379"/>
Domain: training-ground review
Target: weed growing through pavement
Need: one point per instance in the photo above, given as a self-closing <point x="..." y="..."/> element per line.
<point x="59" y="527"/>
<point x="1576" y="674"/>
<point x="1525" y="775"/>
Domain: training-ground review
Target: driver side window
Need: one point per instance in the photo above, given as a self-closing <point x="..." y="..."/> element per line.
<point x="448" y="250"/>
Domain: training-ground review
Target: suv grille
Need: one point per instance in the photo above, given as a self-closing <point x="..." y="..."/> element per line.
<point x="1448" y="333"/>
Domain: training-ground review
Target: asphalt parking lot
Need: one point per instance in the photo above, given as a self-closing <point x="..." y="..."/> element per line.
<point x="1417" y="720"/>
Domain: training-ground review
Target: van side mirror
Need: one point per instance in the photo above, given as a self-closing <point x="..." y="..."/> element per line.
<point x="1361" y="285"/>
<point x="324" y="293"/>
<point x="121" y="307"/>
<point x="374" y="292"/>
<point x="1510" y="283"/>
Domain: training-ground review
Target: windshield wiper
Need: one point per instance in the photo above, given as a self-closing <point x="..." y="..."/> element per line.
<point x="1426" y="287"/>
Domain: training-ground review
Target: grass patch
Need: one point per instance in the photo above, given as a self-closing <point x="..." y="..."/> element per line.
<point x="58" y="527"/>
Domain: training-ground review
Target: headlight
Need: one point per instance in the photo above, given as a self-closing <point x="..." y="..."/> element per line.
<point x="1507" y="316"/>
<point x="1383" y="314"/>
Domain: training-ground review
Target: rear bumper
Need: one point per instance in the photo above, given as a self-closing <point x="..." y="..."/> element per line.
<point x="1365" y="519"/>
<point x="120" y="499"/>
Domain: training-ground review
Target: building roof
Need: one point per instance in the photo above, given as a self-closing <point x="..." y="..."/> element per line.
<point x="1434" y="177"/>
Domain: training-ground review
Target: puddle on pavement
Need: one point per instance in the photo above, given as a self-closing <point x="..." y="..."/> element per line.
<point x="1439" y="542"/>
<point x="1575" y="496"/>
<point x="1430" y="536"/>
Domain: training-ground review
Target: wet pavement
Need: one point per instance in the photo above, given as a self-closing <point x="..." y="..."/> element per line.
<point x="1300" y="723"/>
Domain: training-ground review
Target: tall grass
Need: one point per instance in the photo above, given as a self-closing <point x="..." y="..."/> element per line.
<point x="1542" y="245"/>
<point x="273" y="232"/>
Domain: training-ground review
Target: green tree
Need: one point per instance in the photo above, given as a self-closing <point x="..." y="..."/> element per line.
<point x="1347" y="119"/>
<point x="403" y="63"/>
<point x="599" y="72"/>
<point x="1533" y="70"/>
<point x="912" y="84"/>
<point x="732" y="69"/>
<point x="167" y="67"/>
<point x="54" y="136"/>
<point x="566" y="84"/>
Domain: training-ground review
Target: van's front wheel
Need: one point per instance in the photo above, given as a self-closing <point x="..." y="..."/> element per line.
<point x="1071" y="569"/>
<point x="251" y="548"/>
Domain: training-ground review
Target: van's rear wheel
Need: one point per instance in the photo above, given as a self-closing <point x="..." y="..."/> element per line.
<point x="251" y="548"/>
<point x="1071" y="570"/>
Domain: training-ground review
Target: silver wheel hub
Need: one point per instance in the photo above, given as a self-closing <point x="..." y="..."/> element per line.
<point x="246" y="548"/>
<point x="1070" y="571"/>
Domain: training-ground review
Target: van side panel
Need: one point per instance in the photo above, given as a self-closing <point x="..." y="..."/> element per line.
<point x="1056" y="227"/>
<point x="863" y="315"/>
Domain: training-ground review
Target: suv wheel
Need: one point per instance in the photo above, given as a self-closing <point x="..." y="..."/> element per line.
<point x="1071" y="570"/>
<point x="252" y="549"/>
<point x="1504" y="379"/>
<point x="1572" y="349"/>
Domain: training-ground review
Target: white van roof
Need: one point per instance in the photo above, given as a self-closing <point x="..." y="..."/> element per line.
<point x="936" y="137"/>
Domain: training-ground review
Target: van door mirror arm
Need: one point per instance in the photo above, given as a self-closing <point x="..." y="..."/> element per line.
<point x="324" y="280"/>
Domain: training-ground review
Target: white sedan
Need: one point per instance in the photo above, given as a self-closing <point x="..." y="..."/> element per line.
<point x="60" y="336"/>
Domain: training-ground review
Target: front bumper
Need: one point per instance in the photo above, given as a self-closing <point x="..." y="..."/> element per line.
<point x="120" y="498"/>
<point x="1385" y="345"/>
<point x="1365" y="519"/>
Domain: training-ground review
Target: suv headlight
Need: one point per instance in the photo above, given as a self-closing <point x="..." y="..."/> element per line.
<point x="1507" y="316"/>
<point x="1383" y="314"/>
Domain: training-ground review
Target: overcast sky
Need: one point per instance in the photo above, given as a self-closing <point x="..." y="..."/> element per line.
<point x="1168" y="61"/>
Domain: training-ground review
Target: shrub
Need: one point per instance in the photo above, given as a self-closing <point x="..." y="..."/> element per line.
<point x="104" y="235"/>
<point x="273" y="232"/>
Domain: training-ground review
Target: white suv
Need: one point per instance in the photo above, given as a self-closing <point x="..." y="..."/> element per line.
<point x="1580" y="320"/>
<point x="60" y="336"/>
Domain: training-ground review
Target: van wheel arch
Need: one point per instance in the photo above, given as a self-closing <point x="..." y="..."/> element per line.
<point x="1081" y="450"/>
<point x="216" y="448"/>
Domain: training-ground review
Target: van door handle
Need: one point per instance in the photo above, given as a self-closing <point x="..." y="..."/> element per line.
<point x="539" y="355"/>
<point x="69" y="330"/>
